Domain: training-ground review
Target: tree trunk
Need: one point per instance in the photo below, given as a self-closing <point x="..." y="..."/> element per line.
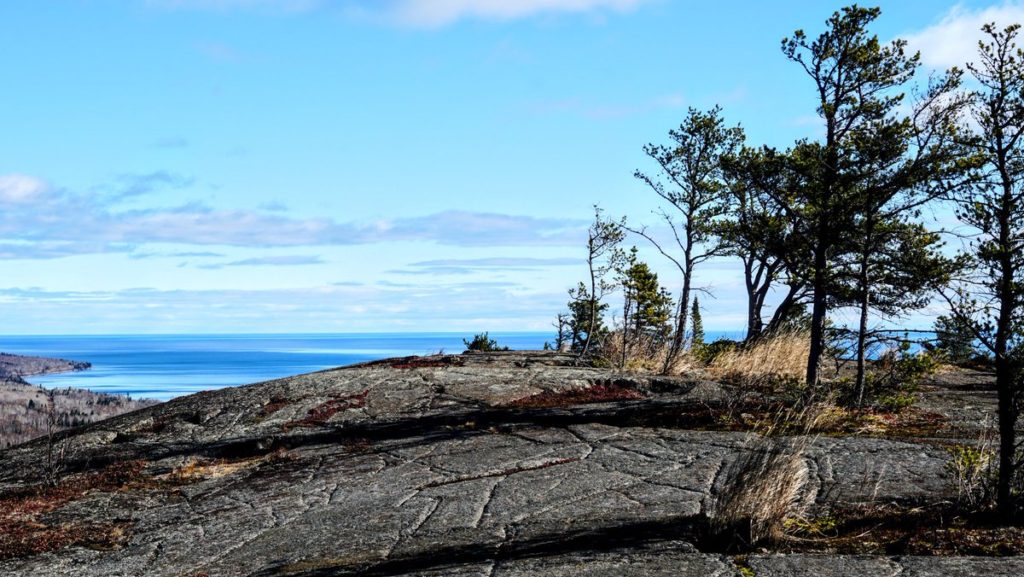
<point x="817" y="317"/>
<point x="593" y="301"/>
<point x="1006" y="377"/>
<point x="626" y="311"/>
<point x="862" y="332"/>
<point x="756" y="295"/>
<point x="681" y="318"/>
<point x="783" y="310"/>
<point x="1007" y="412"/>
<point x="753" y="310"/>
<point x="863" y="281"/>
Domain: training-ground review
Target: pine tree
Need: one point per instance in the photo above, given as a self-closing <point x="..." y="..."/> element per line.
<point x="874" y="159"/>
<point x="697" y="324"/>
<point x="692" y="184"/>
<point x="992" y="302"/>
<point x="894" y="268"/>
<point x="647" y="306"/>
<point x="585" y="320"/>
<point x="757" y="231"/>
<point x="954" y="337"/>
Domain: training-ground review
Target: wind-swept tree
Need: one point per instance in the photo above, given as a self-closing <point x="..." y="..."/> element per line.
<point x="603" y="238"/>
<point x="692" y="185"/>
<point x="874" y="158"/>
<point x="992" y="301"/>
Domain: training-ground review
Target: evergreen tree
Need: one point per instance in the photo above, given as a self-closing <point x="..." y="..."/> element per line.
<point x="954" y="337"/>
<point x="757" y="231"/>
<point x="647" y="306"/>
<point x="874" y="159"/>
<point x="691" y="182"/>
<point x="894" y="268"/>
<point x="586" y="320"/>
<point x="697" y="331"/>
<point x="992" y="302"/>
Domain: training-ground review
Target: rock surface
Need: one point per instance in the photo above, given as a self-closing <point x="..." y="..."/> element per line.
<point x="452" y="465"/>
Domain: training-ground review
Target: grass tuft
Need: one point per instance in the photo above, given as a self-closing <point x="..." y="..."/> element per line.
<point x="765" y="363"/>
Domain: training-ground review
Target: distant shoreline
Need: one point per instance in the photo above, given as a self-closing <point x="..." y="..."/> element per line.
<point x="17" y="367"/>
<point x="25" y="408"/>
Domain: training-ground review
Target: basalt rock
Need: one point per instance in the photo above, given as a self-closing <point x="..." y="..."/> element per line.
<point x="503" y="464"/>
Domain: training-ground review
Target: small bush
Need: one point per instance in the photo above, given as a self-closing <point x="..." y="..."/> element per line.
<point x="892" y="383"/>
<point x="896" y="402"/>
<point x="707" y="353"/>
<point x="483" y="342"/>
<point x="972" y="471"/>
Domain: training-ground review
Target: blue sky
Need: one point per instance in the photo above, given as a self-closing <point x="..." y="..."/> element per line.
<point x="369" y="165"/>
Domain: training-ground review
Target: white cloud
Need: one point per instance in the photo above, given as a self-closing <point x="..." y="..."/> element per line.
<point x="335" y="308"/>
<point x="40" y="221"/>
<point x="953" y="40"/>
<point x="20" y="188"/>
<point x="441" y="12"/>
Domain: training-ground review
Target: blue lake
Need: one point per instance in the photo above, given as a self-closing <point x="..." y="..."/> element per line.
<point x="167" y="366"/>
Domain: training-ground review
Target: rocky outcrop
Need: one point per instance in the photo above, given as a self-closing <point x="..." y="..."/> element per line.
<point x="509" y="464"/>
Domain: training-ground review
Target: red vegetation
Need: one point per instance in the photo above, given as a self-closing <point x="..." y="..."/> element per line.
<point x="22" y="533"/>
<point x="594" y="394"/>
<point x="425" y="363"/>
<point x="275" y="405"/>
<point x="319" y="414"/>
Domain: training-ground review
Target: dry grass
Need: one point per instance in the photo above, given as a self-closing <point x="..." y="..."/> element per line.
<point x="762" y="490"/>
<point x="764" y="363"/>
<point x="972" y="469"/>
<point x="644" y="355"/>
<point x="194" y="470"/>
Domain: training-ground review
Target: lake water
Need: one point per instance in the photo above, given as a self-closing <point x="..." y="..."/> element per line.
<point x="166" y="366"/>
